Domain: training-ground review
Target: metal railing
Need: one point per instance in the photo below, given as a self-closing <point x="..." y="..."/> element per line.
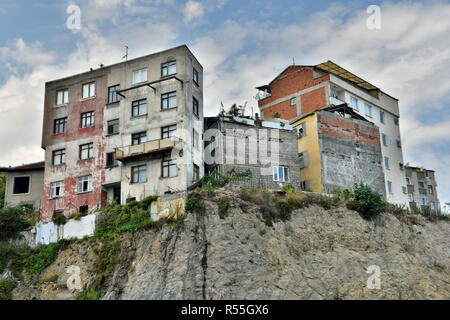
<point x="145" y="148"/>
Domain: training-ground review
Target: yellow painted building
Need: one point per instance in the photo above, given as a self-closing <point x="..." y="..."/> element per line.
<point x="308" y="148"/>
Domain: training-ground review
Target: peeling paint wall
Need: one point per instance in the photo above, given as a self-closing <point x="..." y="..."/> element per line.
<point x="168" y="205"/>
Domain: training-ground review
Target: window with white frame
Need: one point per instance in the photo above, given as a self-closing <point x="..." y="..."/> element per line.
<point x="62" y="97"/>
<point x="368" y="110"/>
<point x="280" y="174"/>
<point x="140" y="76"/>
<point x="84" y="184"/>
<point x="354" y="103"/>
<point x="88" y="90"/>
<point x="293" y="101"/>
<point x="57" y="189"/>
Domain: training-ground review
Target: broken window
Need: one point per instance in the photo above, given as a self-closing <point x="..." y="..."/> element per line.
<point x="60" y="125"/>
<point x="57" y="189"/>
<point x="139" y="108"/>
<point x="113" y="126"/>
<point x="139" y="174"/>
<point x="62" y="97"/>
<point x="280" y="174"/>
<point x="88" y="90"/>
<point x="195" y="107"/>
<point x="301" y="130"/>
<point x="195" y="76"/>
<point x="167" y="132"/>
<point x="139" y="76"/>
<point x="86" y="151"/>
<point x="111" y="159"/>
<point x="168" y="68"/>
<point x="169" y="100"/>
<point x="87" y="119"/>
<point x="196" y="173"/>
<point x="112" y="94"/>
<point x="401" y="166"/>
<point x="83" y="209"/>
<point x="138" y="138"/>
<point x="59" y="157"/>
<point x="168" y="167"/>
<point x="21" y="185"/>
<point x="84" y="184"/>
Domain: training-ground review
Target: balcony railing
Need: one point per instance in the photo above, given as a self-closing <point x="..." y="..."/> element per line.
<point x="336" y="101"/>
<point x="146" y="148"/>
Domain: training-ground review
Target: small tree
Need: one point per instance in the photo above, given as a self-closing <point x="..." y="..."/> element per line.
<point x="367" y="202"/>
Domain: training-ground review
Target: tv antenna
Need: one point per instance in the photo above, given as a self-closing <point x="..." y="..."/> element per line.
<point x="126" y="54"/>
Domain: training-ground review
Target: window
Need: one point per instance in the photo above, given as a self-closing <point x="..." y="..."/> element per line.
<point x="194" y="138"/>
<point x="57" y="189"/>
<point x="168" y="167"/>
<point x="389" y="184"/>
<point x="21" y="185"/>
<point x="303" y="159"/>
<point x="59" y="157"/>
<point x="86" y="151"/>
<point x="404" y="190"/>
<point x="399" y="144"/>
<point x="302" y="130"/>
<point x="139" y="174"/>
<point x="88" y="90"/>
<point x="139" y="76"/>
<point x="169" y="100"/>
<point x="113" y="126"/>
<point x="423" y="200"/>
<point x="138" y="138"/>
<point x="396" y="121"/>
<point x="195" y="106"/>
<point x="401" y="166"/>
<point x="430" y="189"/>
<point x="111" y="160"/>
<point x="383" y="138"/>
<point x="421" y="185"/>
<point x="83" y="209"/>
<point x="386" y="162"/>
<point x="294" y="101"/>
<point x="381" y="116"/>
<point x="195" y="76"/>
<point x="84" y="184"/>
<point x="87" y="119"/>
<point x="112" y="94"/>
<point x="139" y="108"/>
<point x="410" y="197"/>
<point x="62" y="97"/>
<point x="60" y="125"/>
<point x="280" y="174"/>
<point x="354" y="103"/>
<point x="167" y="132"/>
<point x="368" y="110"/>
<point x="432" y="206"/>
<point x="196" y="175"/>
<point x="407" y="181"/>
<point x="168" y="68"/>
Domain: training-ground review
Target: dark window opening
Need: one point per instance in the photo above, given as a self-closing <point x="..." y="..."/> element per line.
<point x="111" y="159"/>
<point x="21" y="185"/>
<point x="195" y="107"/>
<point x="84" y="209"/>
<point x="195" y="76"/>
<point x="113" y="126"/>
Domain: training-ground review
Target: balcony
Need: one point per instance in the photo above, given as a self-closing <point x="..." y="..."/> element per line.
<point x="336" y="101"/>
<point x="152" y="147"/>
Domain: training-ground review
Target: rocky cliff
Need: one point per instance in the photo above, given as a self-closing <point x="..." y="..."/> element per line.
<point x="318" y="254"/>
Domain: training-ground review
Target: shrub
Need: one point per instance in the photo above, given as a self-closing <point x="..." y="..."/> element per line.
<point x="296" y="200"/>
<point x="367" y="202"/>
<point x="194" y="203"/>
<point x="60" y="220"/>
<point x="284" y="210"/>
<point x="224" y="204"/>
<point x="2" y="189"/>
<point x="245" y="194"/>
<point x="288" y="187"/>
<point x="145" y="204"/>
<point x="6" y="288"/>
<point x="14" y="220"/>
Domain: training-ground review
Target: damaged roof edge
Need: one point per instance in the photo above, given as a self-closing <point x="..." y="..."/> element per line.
<point x="31" y="166"/>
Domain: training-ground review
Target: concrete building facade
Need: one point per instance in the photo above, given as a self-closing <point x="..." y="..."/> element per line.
<point x="421" y="184"/>
<point x="120" y="132"/>
<point x="338" y="148"/>
<point x="299" y="90"/>
<point x="24" y="184"/>
<point x="266" y="150"/>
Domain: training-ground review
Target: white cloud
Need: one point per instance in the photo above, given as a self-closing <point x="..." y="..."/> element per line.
<point x="192" y="10"/>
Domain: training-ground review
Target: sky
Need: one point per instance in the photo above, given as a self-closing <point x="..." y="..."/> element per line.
<point x="241" y="45"/>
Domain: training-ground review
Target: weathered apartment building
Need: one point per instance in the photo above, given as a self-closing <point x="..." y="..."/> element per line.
<point x="299" y="90"/>
<point x="338" y="148"/>
<point x="266" y="150"/>
<point x="124" y="131"/>
<point x="421" y="185"/>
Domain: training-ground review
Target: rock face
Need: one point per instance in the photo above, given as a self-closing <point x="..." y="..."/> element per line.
<point x="318" y="254"/>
